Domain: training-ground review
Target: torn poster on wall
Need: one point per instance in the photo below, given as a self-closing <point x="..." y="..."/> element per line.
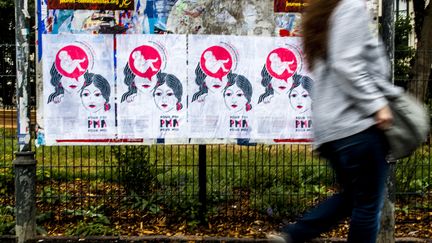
<point x="91" y="4"/>
<point x="288" y="24"/>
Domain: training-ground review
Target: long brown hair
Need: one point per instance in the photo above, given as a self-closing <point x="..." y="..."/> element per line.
<point x="315" y="28"/>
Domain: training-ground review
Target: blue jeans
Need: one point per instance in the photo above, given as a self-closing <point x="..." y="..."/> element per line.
<point x="361" y="170"/>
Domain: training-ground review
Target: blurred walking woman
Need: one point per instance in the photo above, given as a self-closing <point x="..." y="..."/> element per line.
<point x="350" y="112"/>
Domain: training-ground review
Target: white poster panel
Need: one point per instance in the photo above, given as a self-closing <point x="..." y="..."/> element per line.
<point x="151" y="85"/>
<point x="78" y="77"/>
<point x="283" y="89"/>
<point x="221" y="88"/>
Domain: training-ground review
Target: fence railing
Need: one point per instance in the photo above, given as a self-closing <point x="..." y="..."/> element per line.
<point x="137" y="190"/>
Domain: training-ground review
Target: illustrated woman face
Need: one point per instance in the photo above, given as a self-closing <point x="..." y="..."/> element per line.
<point x="164" y="98"/>
<point x="72" y="85"/>
<point x="300" y="99"/>
<point x="235" y="98"/>
<point x="145" y="85"/>
<point x="280" y="86"/>
<point x="92" y="98"/>
<point x="215" y="85"/>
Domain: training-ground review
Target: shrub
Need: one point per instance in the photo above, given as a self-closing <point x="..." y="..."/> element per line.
<point x="7" y="183"/>
<point x="7" y="220"/>
<point x="136" y="173"/>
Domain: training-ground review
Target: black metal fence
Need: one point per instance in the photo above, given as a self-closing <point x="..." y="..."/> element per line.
<point x="141" y="190"/>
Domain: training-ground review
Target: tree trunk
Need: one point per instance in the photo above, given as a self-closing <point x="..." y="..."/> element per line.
<point x="387" y="229"/>
<point x="387" y="223"/>
<point x="423" y="59"/>
<point x="419" y="12"/>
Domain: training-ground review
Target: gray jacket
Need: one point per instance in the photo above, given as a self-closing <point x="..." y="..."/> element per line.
<point x="354" y="81"/>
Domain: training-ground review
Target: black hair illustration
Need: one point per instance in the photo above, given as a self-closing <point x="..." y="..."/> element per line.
<point x="266" y="82"/>
<point x="200" y="81"/>
<point x="129" y="80"/>
<point x="56" y="82"/>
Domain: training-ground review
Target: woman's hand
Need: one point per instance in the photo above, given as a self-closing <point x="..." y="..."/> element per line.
<point x="384" y="118"/>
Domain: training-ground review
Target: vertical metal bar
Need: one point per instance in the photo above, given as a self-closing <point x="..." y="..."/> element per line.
<point x="88" y="177"/>
<point x="202" y="181"/>
<point x="171" y="170"/>
<point x="193" y="169"/>
<point x="255" y="169"/>
<point x="96" y="175"/>
<point x="219" y="171"/>
<point x="164" y="166"/>
<point x="211" y="170"/>
<point x="66" y="162"/>
<point x="179" y="178"/>
<point x="291" y="172"/>
<point x="81" y="177"/>
<point x="262" y="174"/>
<point x="226" y="185"/>
<point x="232" y="192"/>
<point x="73" y="168"/>
<point x="240" y="165"/>
<point x="274" y="167"/>
<point x="284" y="175"/>
<point x="186" y="165"/>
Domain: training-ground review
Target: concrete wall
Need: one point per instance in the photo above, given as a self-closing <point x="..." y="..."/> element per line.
<point x="233" y="17"/>
<point x="226" y="17"/>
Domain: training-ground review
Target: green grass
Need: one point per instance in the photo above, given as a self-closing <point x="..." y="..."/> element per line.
<point x="281" y="170"/>
<point x="242" y="166"/>
<point x="8" y="145"/>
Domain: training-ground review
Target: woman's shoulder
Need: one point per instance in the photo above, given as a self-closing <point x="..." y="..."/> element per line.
<point x="350" y="6"/>
<point x="349" y="13"/>
<point x="354" y="3"/>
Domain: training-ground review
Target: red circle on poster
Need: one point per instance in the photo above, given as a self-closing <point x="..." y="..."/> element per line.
<point x="145" y="61"/>
<point x="216" y="62"/>
<point x="71" y="61"/>
<point x="281" y="63"/>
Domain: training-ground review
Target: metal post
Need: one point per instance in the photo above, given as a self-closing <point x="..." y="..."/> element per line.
<point x="25" y="195"/>
<point x="202" y="181"/>
<point x="387" y="232"/>
<point x="24" y="164"/>
<point x="22" y="32"/>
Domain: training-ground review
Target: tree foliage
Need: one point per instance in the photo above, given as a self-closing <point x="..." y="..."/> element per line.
<point x="403" y="52"/>
<point x="7" y="49"/>
<point x="7" y="18"/>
